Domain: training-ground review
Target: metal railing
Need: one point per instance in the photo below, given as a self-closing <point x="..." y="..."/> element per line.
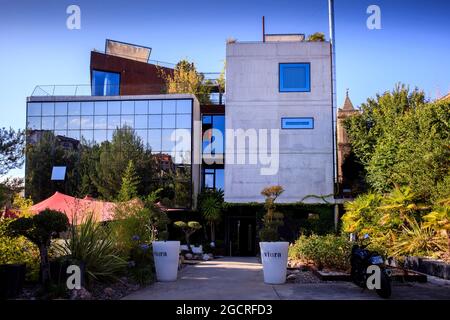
<point x="85" y="90"/>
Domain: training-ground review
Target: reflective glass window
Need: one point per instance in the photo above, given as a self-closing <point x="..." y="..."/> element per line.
<point x="74" y="134"/>
<point x="141" y="106"/>
<point x="154" y="121"/>
<point x="169" y="106"/>
<point x="113" y="107"/>
<point x="127" y="107"/>
<point x="128" y="121"/>
<point x="48" y="123"/>
<point x="154" y="107"/>
<point x="184" y="106"/>
<point x="61" y="123"/>
<point x="105" y="83"/>
<point x="99" y="122"/>
<point x="61" y="108"/>
<point x="99" y="136"/>
<point x="48" y="109"/>
<point x="87" y="122"/>
<point x="34" y="109"/>
<point x="87" y="108"/>
<point x="73" y="122"/>
<point x="168" y="121"/>
<point x="113" y="122"/>
<point x="101" y="107"/>
<point x="73" y="108"/>
<point x="34" y="123"/>
<point x="140" y="121"/>
<point x="154" y="140"/>
<point x="184" y="121"/>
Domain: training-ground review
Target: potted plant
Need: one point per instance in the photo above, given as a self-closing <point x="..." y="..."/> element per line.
<point x="274" y="253"/>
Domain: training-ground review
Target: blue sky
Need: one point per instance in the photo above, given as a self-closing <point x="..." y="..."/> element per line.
<point x="36" y="47"/>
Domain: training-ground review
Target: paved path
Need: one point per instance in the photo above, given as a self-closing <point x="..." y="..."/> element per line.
<point x="242" y="279"/>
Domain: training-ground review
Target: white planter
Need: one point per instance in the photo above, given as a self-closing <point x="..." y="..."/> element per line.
<point x="274" y="256"/>
<point x="166" y="255"/>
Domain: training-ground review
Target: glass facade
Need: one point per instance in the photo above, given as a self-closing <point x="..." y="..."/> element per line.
<point x="164" y="126"/>
<point x="213" y="145"/>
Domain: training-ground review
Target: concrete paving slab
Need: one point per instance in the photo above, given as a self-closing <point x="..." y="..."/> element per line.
<point x="237" y="278"/>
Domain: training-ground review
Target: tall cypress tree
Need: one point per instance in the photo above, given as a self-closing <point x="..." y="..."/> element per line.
<point x="130" y="182"/>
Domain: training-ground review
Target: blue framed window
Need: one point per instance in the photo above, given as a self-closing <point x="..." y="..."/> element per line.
<point x="105" y="83"/>
<point x="297" y="123"/>
<point x="295" y="77"/>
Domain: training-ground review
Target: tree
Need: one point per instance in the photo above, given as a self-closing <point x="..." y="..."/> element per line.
<point x="8" y="189"/>
<point x="41" y="157"/>
<point x="11" y="149"/>
<point x="186" y="79"/>
<point x="402" y="140"/>
<point x="272" y="219"/>
<point x="114" y="158"/>
<point x="210" y="203"/>
<point x="40" y="229"/>
<point x="189" y="228"/>
<point x="130" y="182"/>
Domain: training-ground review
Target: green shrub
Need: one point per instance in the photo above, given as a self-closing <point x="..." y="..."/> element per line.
<point x="40" y="229"/>
<point x="272" y="220"/>
<point x="16" y="250"/>
<point x="141" y="266"/>
<point x="330" y="251"/>
<point x="92" y="244"/>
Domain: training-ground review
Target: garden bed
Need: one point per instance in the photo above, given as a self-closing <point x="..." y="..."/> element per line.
<point x="431" y="267"/>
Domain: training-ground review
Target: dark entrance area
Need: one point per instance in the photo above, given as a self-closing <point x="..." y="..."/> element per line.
<point x="241" y="236"/>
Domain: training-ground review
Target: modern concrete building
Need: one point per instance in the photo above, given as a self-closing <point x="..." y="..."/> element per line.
<point x="282" y="86"/>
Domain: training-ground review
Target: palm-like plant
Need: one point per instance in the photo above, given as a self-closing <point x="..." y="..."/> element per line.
<point x="418" y="239"/>
<point x="210" y="205"/>
<point x="439" y="219"/>
<point x="362" y="215"/>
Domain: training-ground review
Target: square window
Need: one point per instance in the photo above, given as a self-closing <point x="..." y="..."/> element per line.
<point x="87" y="135"/>
<point x="154" y="107"/>
<point x="105" y="83"/>
<point x="73" y="108"/>
<point x="140" y="121"/>
<point x="100" y="122"/>
<point x="34" y="109"/>
<point x="113" y="122"/>
<point x="154" y="140"/>
<point x="48" y="109"/>
<point x="168" y="121"/>
<point x="142" y="134"/>
<point x="87" y="108"/>
<point x="128" y="121"/>
<point x="34" y="123"/>
<point x="101" y="108"/>
<point x="73" y="122"/>
<point x="48" y="123"/>
<point x="74" y="134"/>
<point x="113" y="107"/>
<point x="168" y="139"/>
<point x="295" y="77"/>
<point x="184" y="106"/>
<point x="87" y="122"/>
<point x="169" y="106"/>
<point x="141" y="106"/>
<point x="154" y="121"/>
<point x="127" y="107"/>
<point x="184" y="121"/>
<point x="99" y="136"/>
<point x="61" y="123"/>
<point x="61" y="108"/>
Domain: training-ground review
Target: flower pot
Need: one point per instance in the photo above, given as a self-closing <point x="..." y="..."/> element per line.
<point x="274" y="256"/>
<point x="12" y="277"/>
<point x="166" y="255"/>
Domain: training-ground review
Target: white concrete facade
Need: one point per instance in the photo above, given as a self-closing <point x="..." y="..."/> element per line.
<point x="254" y="102"/>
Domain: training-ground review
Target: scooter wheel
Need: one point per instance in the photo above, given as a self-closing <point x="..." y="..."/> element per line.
<point x="385" y="291"/>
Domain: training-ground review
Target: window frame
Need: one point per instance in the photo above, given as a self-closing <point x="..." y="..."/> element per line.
<point x="281" y="89"/>
<point x="292" y="118"/>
